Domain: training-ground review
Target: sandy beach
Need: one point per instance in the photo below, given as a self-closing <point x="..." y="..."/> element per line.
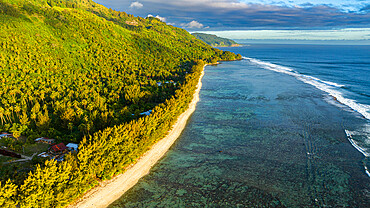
<point x="109" y="191"/>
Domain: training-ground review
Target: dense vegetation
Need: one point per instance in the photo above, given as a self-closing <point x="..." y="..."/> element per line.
<point x="79" y="72"/>
<point x="214" y="40"/>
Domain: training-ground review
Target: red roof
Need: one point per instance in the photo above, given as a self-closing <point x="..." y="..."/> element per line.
<point x="58" y="147"/>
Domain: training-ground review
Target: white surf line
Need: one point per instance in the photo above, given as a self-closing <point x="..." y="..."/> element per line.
<point x="333" y="84"/>
<point x="360" y="149"/>
<point x="367" y="171"/>
<point x="325" y="86"/>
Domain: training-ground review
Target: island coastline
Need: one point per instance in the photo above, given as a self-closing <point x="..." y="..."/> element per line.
<point x="231" y="46"/>
<point x="109" y="191"/>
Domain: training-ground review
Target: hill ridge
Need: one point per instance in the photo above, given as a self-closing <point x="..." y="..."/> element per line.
<point x="75" y="71"/>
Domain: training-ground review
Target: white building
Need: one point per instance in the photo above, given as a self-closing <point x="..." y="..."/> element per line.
<point x="72" y="147"/>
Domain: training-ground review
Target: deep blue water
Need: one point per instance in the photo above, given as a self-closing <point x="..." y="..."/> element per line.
<point x="345" y="65"/>
<point x="288" y="126"/>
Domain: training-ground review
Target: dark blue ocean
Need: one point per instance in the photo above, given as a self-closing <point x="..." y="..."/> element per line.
<point x="287" y="126"/>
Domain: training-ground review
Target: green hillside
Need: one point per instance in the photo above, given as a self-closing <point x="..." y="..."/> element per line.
<point x="214" y="40"/>
<point x="76" y="71"/>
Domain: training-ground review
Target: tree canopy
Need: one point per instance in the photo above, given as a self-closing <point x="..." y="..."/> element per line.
<point x="79" y="72"/>
<point x="214" y="40"/>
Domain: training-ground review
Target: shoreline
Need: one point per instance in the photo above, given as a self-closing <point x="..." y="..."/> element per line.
<point x="109" y="191"/>
<point x="231" y="46"/>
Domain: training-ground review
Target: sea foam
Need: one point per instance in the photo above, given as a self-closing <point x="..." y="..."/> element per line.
<point x="329" y="87"/>
<point x="333" y="90"/>
<point x="363" y="150"/>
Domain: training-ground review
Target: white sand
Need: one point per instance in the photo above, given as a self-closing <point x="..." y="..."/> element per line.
<point x="109" y="191"/>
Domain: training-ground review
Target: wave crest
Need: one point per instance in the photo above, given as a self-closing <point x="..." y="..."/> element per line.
<point x="329" y="87"/>
<point x="332" y="89"/>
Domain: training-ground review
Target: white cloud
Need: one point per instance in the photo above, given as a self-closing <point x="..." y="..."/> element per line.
<point x="250" y="13"/>
<point x="192" y="24"/>
<point x="136" y="5"/>
<point x="163" y="19"/>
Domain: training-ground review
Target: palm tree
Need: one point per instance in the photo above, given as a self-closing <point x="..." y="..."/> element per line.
<point x="2" y="115"/>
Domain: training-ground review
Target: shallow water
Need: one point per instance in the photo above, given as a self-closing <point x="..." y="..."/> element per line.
<point x="259" y="139"/>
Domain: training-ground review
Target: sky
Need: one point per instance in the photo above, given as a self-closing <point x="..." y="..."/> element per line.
<point x="252" y="15"/>
<point x="338" y="34"/>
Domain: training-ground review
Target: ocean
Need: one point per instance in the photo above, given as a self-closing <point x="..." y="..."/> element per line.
<point x="287" y="126"/>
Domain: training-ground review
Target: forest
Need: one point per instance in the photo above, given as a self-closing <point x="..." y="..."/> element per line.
<point x="78" y="72"/>
<point x="214" y="40"/>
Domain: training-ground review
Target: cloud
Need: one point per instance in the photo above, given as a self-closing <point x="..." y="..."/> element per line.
<point x="163" y="19"/>
<point x="240" y="14"/>
<point x="307" y="4"/>
<point x="136" y="5"/>
<point x="192" y="24"/>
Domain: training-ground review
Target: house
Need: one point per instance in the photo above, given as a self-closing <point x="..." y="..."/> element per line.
<point x="58" y="148"/>
<point x="72" y="147"/>
<point x="147" y="113"/>
<point x="44" y="154"/>
<point x="45" y="140"/>
<point x="5" y="134"/>
<point x="171" y="82"/>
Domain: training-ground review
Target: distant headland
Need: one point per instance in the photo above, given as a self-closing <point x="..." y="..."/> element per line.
<point x="215" y="41"/>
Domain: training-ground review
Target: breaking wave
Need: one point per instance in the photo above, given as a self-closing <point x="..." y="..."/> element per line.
<point x="329" y="87"/>
<point x="354" y="143"/>
<point x="359" y="140"/>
